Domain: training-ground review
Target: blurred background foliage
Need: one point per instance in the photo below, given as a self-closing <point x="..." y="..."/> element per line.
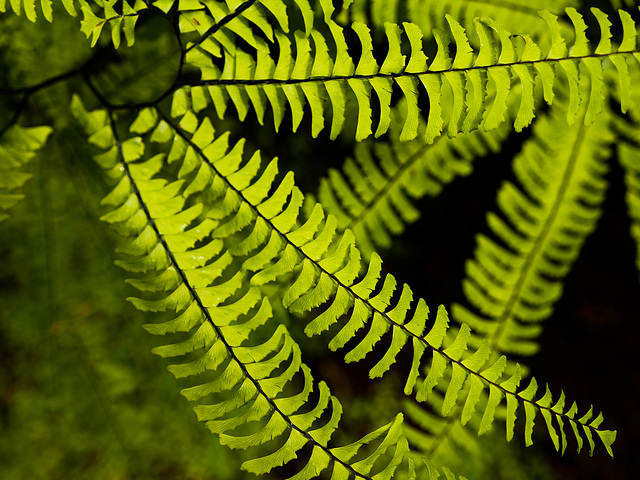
<point x="81" y="396"/>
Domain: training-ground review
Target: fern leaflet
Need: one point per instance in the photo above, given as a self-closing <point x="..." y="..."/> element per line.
<point x="371" y="197"/>
<point x="18" y="145"/>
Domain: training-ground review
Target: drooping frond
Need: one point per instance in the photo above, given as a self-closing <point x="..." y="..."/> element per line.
<point x="470" y="401"/>
<point x="372" y="195"/>
<point x="248" y="379"/>
<point x="18" y="145"/>
<point x="306" y="72"/>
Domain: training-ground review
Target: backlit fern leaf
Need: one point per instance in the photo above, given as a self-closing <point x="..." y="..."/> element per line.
<point x="515" y="282"/>
<point x="122" y="21"/>
<point x="212" y="232"/>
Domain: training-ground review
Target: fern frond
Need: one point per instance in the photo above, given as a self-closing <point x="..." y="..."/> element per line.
<point x="453" y="440"/>
<point x="543" y="222"/>
<point x="326" y="268"/>
<point x="123" y="21"/>
<point x="556" y="415"/>
<point x="18" y="145"/>
<point x="305" y="72"/>
<point x="28" y="7"/>
<point x="516" y="281"/>
<point x="251" y="386"/>
<point x="629" y="156"/>
<point x="210" y="229"/>
<point x="372" y="195"/>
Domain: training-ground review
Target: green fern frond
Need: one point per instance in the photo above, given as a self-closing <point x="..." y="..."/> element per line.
<point x="372" y="195"/>
<point x="260" y="384"/>
<point x="211" y="231"/>
<point x="542" y="225"/>
<point x="218" y="23"/>
<point x="305" y="72"/>
<point x="267" y="242"/>
<point x="515" y="282"/>
<point x="326" y="267"/>
<point x="18" y="145"/>
<point x="556" y="415"/>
